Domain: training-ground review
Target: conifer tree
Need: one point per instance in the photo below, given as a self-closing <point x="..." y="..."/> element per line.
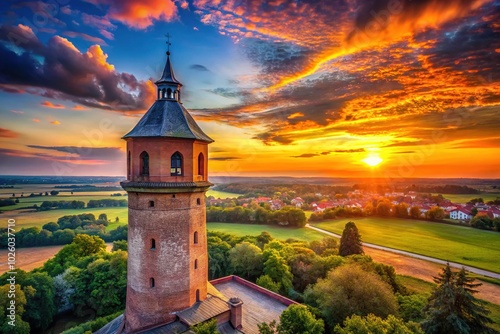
<point x="350" y="242"/>
<point x="452" y="307"/>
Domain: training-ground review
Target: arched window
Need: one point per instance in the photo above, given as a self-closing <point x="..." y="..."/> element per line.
<point x="195" y="237"/>
<point x="197" y="295"/>
<point x="163" y="94"/>
<point x="201" y="164"/>
<point x="195" y="264"/>
<point x="152" y="282"/>
<point x="176" y="164"/>
<point x="129" y="165"/>
<point x="198" y="201"/>
<point x="169" y="93"/>
<point x="144" y="163"/>
<point x="153" y="244"/>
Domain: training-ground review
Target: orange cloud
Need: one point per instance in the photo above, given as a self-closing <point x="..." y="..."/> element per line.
<point x="55" y="122"/>
<point x="49" y="104"/>
<point x="140" y="14"/>
<point x="36" y="120"/>
<point x="5" y="133"/>
<point x="78" y="107"/>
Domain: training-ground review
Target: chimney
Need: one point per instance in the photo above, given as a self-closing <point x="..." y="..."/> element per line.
<point x="236" y="307"/>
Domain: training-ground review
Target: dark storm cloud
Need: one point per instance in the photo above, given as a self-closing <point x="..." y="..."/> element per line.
<point x="305" y="155"/>
<point x="223" y="158"/>
<point x="86" y="153"/>
<point x="66" y="73"/>
<point x="198" y="67"/>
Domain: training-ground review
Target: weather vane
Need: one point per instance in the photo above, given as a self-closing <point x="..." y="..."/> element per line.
<point x="168" y="42"/>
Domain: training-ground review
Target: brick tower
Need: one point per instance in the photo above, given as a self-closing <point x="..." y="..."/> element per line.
<point x="167" y="156"/>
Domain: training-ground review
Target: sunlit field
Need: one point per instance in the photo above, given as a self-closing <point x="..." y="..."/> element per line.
<point x="221" y="194"/>
<point x="477" y="248"/>
<point x="464" y="198"/>
<point x="33" y="218"/>
<point x="276" y="232"/>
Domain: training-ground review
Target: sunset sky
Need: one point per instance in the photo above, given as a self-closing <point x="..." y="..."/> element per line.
<point x="284" y="87"/>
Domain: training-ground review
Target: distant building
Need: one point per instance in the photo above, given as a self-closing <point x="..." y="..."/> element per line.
<point x="461" y="214"/>
<point x="298" y="202"/>
<point x="167" y="277"/>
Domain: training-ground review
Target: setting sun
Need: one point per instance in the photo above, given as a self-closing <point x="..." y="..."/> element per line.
<point x="372" y="160"/>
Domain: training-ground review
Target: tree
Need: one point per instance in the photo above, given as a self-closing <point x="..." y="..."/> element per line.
<point x="246" y="260"/>
<point x="52" y="227"/>
<point x="120" y="245"/>
<point x="384" y="208"/>
<point x="350" y="242"/>
<point x="452" y="307"/>
<point x="207" y="327"/>
<point x="277" y="269"/>
<point x="298" y="319"/>
<point x="54" y="193"/>
<point x="435" y="213"/>
<point x="401" y="210"/>
<point x="40" y="307"/>
<point x="415" y="212"/>
<point x="373" y="324"/>
<point x="103" y="217"/>
<point x="218" y="254"/>
<point x="350" y="290"/>
<point x="21" y="326"/>
<point x="267" y="282"/>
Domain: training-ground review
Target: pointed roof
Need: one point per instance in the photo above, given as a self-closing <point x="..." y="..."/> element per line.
<point x="168" y="118"/>
<point x="168" y="75"/>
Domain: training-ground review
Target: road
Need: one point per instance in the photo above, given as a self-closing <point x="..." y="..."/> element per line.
<point x="417" y="256"/>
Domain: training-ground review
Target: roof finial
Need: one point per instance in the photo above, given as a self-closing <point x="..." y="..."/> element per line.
<point x="168" y="43"/>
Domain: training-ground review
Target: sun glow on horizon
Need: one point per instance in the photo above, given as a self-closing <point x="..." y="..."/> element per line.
<point x="372" y="160"/>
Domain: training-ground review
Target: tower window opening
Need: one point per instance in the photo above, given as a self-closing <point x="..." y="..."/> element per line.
<point x="195" y="237"/>
<point x="176" y="164"/>
<point x="195" y="264"/>
<point x="151" y="204"/>
<point x="197" y="295"/>
<point x="129" y="165"/>
<point x="152" y="282"/>
<point x="173" y="196"/>
<point x="198" y="201"/>
<point x="169" y="93"/>
<point x="153" y="244"/>
<point x="144" y="168"/>
<point x="201" y="164"/>
<point x="163" y="94"/>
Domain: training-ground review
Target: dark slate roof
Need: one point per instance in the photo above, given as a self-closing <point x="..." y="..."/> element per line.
<point x="111" y="327"/>
<point x="203" y="311"/>
<point x="168" y="118"/>
<point x="168" y="75"/>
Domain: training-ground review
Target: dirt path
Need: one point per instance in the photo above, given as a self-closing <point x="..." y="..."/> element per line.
<point x="425" y="270"/>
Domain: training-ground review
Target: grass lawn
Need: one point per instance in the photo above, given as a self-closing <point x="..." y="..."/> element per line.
<point x="26" y="219"/>
<point x="222" y="194"/>
<point x="460" y="244"/>
<point x="277" y="232"/>
<point x="464" y="198"/>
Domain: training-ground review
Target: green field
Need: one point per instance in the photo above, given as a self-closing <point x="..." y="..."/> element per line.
<point x="464" y="198"/>
<point x="34" y="218"/>
<point x="477" y="248"/>
<point x="277" y="232"/>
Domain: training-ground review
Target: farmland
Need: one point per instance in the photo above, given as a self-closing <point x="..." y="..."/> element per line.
<point x="477" y="248"/>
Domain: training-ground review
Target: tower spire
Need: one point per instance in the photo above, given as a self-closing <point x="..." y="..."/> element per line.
<point x="168" y="43"/>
